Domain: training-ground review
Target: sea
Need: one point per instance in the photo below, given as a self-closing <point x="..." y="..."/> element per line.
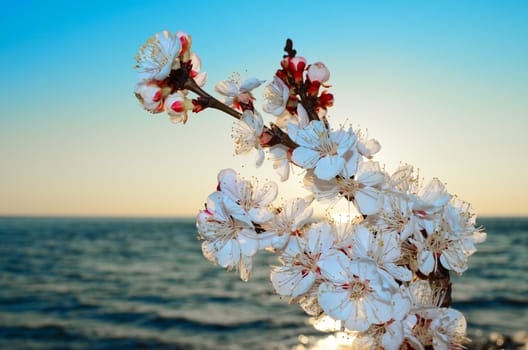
<point x="99" y="283"/>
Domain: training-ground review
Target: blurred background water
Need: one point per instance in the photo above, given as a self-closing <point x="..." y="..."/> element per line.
<point x="144" y="284"/>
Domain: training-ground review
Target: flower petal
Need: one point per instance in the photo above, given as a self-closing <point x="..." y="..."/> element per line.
<point x="248" y="242"/>
<point x="250" y="84"/>
<point x="334" y="267"/>
<point x="259" y="215"/>
<point x="329" y="166"/>
<point x="227" y="88"/>
<point x="267" y="193"/>
<point x="368" y="201"/>
<point x="246" y="265"/>
<point x="236" y="211"/>
<point x="229" y="254"/>
<point x="400" y="273"/>
<point x="426" y="261"/>
<point x="336" y="303"/>
<point x="320" y="238"/>
<point x="362" y="242"/>
<point x="260" y="157"/>
<point x="305" y="157"/>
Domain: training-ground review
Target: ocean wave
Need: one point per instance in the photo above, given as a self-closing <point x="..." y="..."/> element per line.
<point x="135" y="284"/>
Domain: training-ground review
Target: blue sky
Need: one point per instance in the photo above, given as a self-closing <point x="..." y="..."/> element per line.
<point x="442" y="85"/>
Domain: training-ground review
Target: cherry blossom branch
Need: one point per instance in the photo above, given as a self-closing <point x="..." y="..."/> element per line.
<point x="394" y="263"/>
<point x="205" y="100"/>
<point x="280" y="137"/>
<point x="440" y="280"/>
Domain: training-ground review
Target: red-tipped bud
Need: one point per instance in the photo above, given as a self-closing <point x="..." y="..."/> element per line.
<point x="326" y="100"/>
<point x="312" y="88"/>
<point x="197" y="106"/>
<point x="157" y="96"/>
<point x="297" y="63"/>
<point x="150" y="95"/>
<point x="186" y="42"/>
<point x="296" y="67"/>
<point x="177" y="106"/>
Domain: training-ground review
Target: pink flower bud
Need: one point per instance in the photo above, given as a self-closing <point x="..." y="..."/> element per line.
<point x="318" y="72"/>
<point x="177" y="107"/>
<point x="150" y="96"/>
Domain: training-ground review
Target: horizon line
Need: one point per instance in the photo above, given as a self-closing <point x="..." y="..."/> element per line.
<point x="175" y="217"/>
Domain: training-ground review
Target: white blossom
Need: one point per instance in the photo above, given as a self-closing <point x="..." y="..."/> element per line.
<point x="199" y="78"/>
<point x="402" y="180"/>
<point x="363" y="189"/>
<point x="247" y="135"/>
<point x="384" y="249"/>
<point x="276" y="96"/>
<point x="354" y="292"/>
<point x="255" y="201"/>
<point x="460" y="217"/>
<point x="321" y="149"/>
<point x="432" y="198"/>
<point x="157" y="56"/>
<point x="178" y="106"/>
<point x="397" y="216"/>
<point x="299" y="258"/>
<point x="439" y="245"/>
<point x="281" y="156"/>
<point x="421" y="295"/>
<point x="227" y="241"/>
<point x="387" y="336"/>
<point x="367" y="147"/>
<point x="151" y="96"/>
<point x="287" y="221"/>
<point x="441" y="328"/>
<point x="299" y="119"/>
<point x="237" y="92"/>
<point x="446" y="231"/>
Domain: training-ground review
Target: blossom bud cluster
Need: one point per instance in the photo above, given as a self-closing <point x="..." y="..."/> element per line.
<point x="377" y="274"/>
<point x="156" y="60"/>
<point x="298" y="78"/>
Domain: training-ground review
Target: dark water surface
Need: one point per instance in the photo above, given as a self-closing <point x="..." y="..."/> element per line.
<point x="143" y="284"/>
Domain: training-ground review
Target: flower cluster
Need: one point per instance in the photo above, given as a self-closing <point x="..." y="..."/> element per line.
<point x="383" y="275"/>
<point x="370" y="274"/>
<point x="156" y="60"/>
<point x="230" y="223"/>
